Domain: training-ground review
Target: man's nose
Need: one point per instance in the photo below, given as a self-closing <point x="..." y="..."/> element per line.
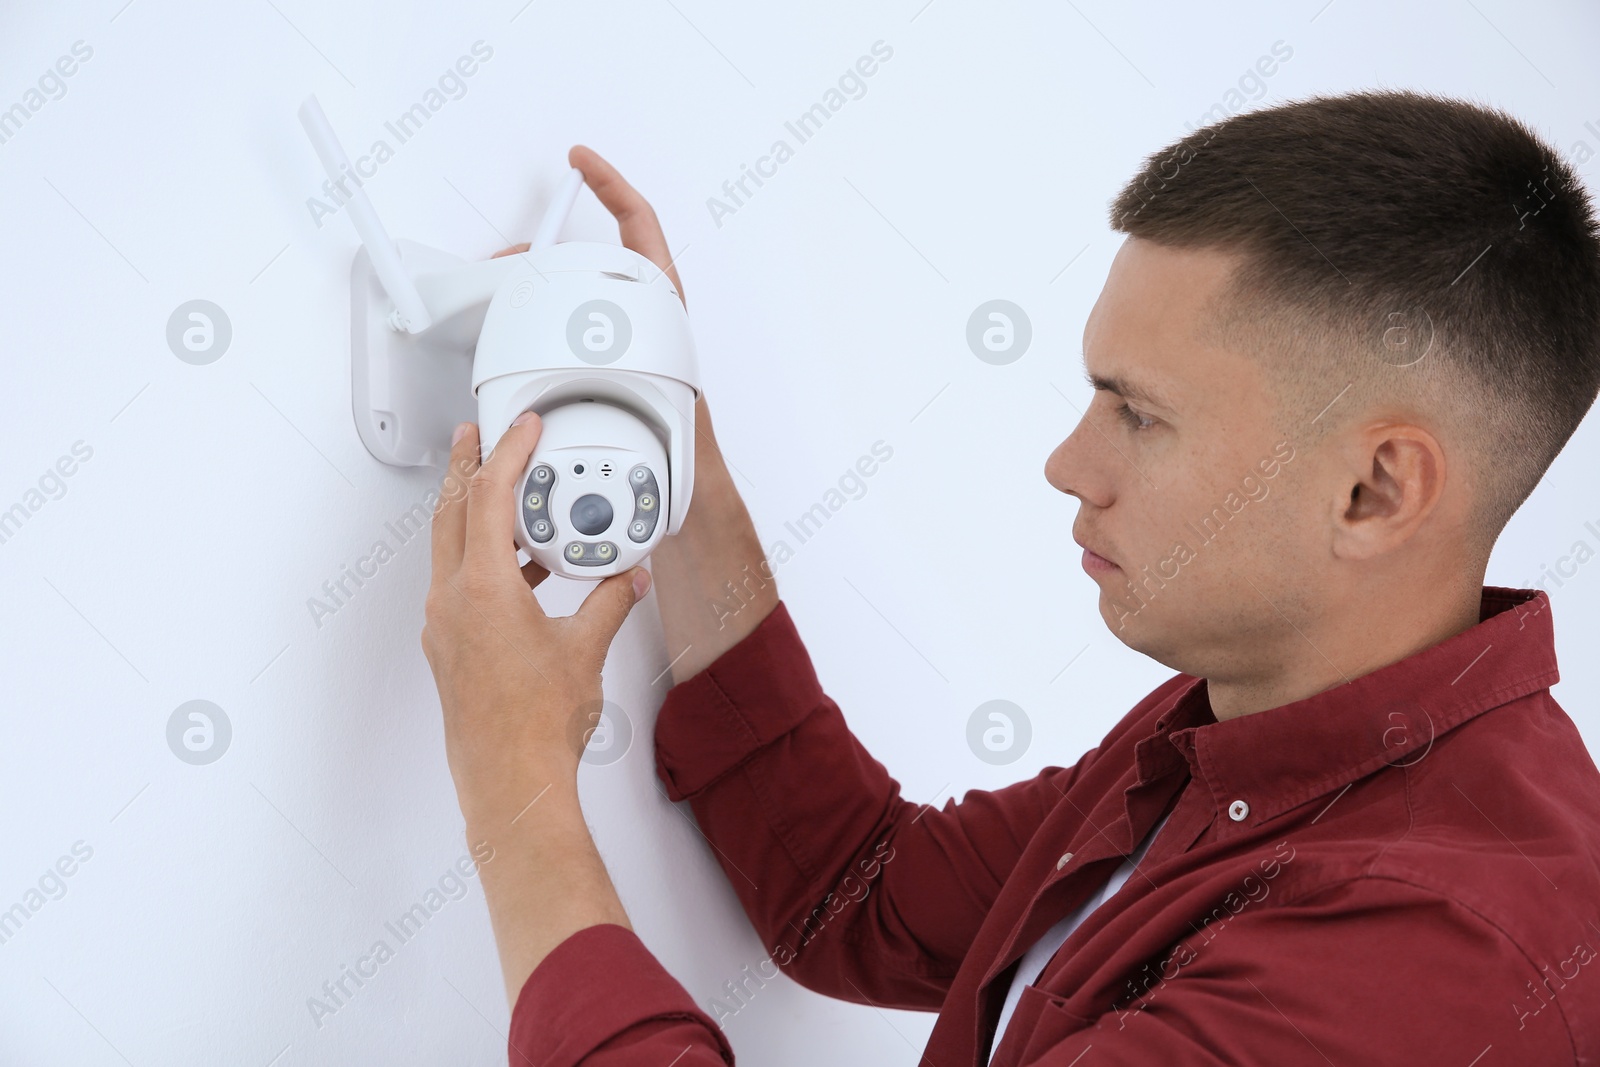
<point x="1076" y="467"/>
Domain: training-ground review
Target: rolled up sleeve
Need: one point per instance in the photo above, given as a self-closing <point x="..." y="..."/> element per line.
<point x="601" y="999"/>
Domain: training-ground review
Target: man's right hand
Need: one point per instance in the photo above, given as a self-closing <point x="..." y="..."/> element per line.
<point x="717" y="544"/>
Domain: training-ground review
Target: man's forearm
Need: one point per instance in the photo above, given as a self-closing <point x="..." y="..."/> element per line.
<point x="712" y="581"/>
<point x="544" y="879"/>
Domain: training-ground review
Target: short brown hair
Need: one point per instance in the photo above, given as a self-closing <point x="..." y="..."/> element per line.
<point x="1366" y="213"/>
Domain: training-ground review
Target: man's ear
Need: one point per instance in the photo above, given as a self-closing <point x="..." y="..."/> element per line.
<point x="1395" y="482"/>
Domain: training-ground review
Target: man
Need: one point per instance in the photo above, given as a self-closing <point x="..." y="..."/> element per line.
<point x="1342" y="342"/>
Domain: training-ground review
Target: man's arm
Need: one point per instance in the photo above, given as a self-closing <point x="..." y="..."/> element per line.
<point x="712" y="580"/>
<point x="856" y="892"/>
<point x="512" y="685"/>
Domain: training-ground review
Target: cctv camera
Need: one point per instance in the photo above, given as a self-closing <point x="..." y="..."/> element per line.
<point x="594" y="339"/>
<point x="591" y="337"/>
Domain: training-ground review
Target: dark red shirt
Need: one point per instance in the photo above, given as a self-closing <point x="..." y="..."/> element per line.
<point x="1402" y="869"/>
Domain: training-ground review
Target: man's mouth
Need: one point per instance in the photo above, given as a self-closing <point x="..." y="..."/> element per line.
<point x="1093" y="562"/>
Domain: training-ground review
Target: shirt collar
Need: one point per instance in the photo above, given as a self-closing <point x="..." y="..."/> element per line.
<point x="1281" y="758"/>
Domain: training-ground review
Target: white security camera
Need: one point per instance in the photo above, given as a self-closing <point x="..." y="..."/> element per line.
<point x="591" y="337"/>
<point x="594" y="339"/>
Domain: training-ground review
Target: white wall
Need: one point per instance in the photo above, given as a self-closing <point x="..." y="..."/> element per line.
<point x="830" y="310"/>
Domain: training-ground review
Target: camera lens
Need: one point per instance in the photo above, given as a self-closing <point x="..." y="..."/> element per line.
<point x="591" y="514"/>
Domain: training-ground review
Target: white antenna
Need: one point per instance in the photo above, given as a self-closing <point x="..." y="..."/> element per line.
<point x="560" y="207"/>
<point x="412" y="313"/>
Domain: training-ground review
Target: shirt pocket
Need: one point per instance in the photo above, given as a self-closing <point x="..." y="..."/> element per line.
<point x="1038" y="1023"/>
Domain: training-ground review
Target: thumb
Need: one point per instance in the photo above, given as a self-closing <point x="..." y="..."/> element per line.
<point x="603" y="611"/>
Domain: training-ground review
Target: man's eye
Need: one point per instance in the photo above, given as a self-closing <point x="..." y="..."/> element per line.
<point x="1134" y="420"/>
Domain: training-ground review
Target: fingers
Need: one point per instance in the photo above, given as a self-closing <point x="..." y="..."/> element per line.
<point x="450" y="512"/>
<point x="636" y="219"/>
<point x="606" y="608"/>
<point x="491" y="513"/>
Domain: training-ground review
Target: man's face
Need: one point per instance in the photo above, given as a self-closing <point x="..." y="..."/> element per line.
<point x="1188" y="494"/>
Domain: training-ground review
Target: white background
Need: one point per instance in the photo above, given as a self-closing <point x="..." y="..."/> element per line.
<point x="830" y="311"/>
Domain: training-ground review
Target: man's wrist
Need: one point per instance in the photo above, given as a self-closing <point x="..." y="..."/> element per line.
<point x="501" y="812"/>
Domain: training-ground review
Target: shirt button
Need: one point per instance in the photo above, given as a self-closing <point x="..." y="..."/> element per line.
<point x="1065" y="859"/>
<point x="1238" y="810"/>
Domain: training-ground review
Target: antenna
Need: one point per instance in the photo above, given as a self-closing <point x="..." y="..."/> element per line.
<point x="411" y="312"/>
<point x="560" y="207"/>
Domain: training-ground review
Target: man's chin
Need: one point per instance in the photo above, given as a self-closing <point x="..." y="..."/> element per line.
<point x="1143" y="629"/>
<point x="1132" y="623"/>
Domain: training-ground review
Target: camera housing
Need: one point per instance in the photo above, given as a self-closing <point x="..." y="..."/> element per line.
<point x="595" y="340"/>
<point x="592" y="337"/>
